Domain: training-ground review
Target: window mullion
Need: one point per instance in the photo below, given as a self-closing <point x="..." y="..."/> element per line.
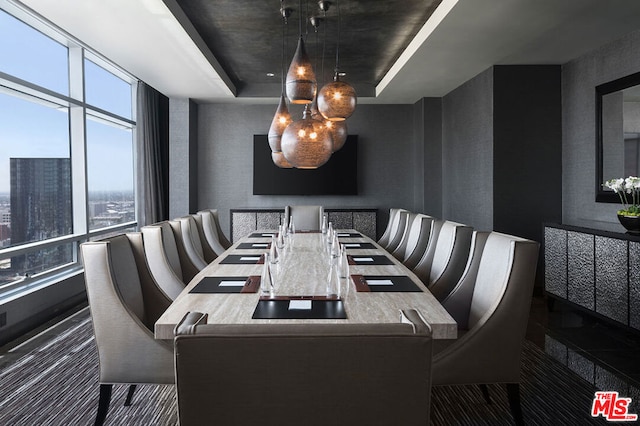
<point x="77" y="133"/>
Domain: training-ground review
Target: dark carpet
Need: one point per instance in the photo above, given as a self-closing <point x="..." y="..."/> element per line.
<point x="52" y="379"/>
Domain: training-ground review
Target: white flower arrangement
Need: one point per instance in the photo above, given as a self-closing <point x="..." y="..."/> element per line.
<point x="629" y="192"/>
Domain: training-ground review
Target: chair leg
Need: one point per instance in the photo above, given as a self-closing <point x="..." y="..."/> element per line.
<point x="103" y="404"/>
<point x="485" y="393"/>
<point x="513" y="392"/>
<point x="132" y="389"/>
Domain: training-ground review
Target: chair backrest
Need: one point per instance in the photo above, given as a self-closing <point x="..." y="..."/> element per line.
<point x="161" y="251"/>
<point x="305" y="218"/>
<point x="420" y="233"/>
<point x="121" y="320"/>
<point x="224" y="242"/>
<point x="386" y="236"/>
<point x="398" y="234"/>
<point x="208" y="254"/>
<point x="189" y="247"/>
<point x="312" y="374"/>
<point x="458" y="301"/>
<point x="156" y="301"/>
<point x="206" y="222"/>
<point x="400" y="250"/>
<point x="450" y="258"/>
<point x="490" y="350"/>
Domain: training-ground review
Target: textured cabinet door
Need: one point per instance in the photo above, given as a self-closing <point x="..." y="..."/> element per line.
<point x="245" y="221"/>
<point x="365" y="222"/>
<point x="634" y="284"/>
<point x="581" y="269"/>
<point x="612" y="299"/>
<point x="555" y="261"/>
<point x="242" y="224"/>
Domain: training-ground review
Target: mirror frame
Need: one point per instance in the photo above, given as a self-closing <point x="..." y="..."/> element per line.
<point x="603" y="196"/>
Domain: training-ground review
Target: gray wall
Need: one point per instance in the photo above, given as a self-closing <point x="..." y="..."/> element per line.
<point x="41" y="304"/>
<point x="225" y="159"/>
<point x="183" y="157"/>
<point x="467" y="153"/>
<point x="527" y="148"/>
<point x="428" y="156"/>
<point x="579" y="79"/>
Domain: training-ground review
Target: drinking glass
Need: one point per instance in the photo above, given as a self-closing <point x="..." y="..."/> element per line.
<point x="333" y="281"/>
<point x="266" y="284"/>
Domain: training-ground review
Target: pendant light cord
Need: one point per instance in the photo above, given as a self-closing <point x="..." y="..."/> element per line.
<point x="282" y="63"/>
<point x="338" y="44"/>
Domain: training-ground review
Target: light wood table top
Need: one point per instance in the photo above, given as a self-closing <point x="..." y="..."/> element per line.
<point x="304" y="272"/>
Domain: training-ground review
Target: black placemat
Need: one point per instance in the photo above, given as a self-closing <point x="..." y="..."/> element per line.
<point x="358" y="246"/>
<point x="249" y="284"/>
<point x="400" y="283"/>
<point x="349" y="234"/>
<point x="263" y="234"/>
<point x="242" y="259"/>
<point x="254" y="246"/>
<point x="377" y="260"/>
<point x="278" y="308"/>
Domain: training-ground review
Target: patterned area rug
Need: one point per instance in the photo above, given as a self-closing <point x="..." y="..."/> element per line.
<point x="52" y="379"/>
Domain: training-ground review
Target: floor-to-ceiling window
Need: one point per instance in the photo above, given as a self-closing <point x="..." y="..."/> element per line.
<point x="67" y="166"/>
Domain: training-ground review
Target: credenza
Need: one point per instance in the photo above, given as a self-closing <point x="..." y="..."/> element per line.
<point x="595" y="269"/>
<point x="245" y="221"/>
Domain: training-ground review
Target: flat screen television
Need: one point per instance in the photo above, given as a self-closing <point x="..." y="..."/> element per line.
<point x="338" y="176"/>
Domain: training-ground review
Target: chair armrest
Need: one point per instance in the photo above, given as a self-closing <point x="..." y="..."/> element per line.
<point x="188" y="323"/>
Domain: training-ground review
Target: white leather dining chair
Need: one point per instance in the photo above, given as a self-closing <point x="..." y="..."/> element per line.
<point x="489" y="345"/>
<point x="449" y="259"/>
<point x="387" y="235"/>
<point x="208" y="229"/>
<point x="305" y="218"/>
<point x="311" y="374"/>
<point x="189" y="246"/>
<point x="161" y="252"/>
<point x="125" y="303"/>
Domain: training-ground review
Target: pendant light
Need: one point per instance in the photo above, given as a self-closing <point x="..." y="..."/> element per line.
<point x="337" y="100"/>
<point x="307" y="143"/>
<point x="282" y="118"/>
<point x="338" y="131"/>
<point x="280" y="161"/>
<point x="301" y="80"/>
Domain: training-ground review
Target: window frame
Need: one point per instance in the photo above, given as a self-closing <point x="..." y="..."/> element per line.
<point x="79" y="112"/>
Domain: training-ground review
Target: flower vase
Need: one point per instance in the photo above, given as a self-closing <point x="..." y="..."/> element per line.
<point x="631" y="223"/>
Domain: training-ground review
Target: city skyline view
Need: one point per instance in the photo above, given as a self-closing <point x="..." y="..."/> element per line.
<point x="32" y="127"/>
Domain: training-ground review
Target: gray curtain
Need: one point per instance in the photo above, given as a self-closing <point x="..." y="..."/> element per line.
<point x="152" y="179"/>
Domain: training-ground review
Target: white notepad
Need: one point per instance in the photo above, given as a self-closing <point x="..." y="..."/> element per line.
<point x="363" y="259"/>
<point x="352" y="245"/>
<point x="300" y="305"/>
<point x="268" y="235"/>
<point x="250" y="258"/>
<point x="259" y="245"/>
<point x="379" y="282"/>
<point x="231" y="283"/>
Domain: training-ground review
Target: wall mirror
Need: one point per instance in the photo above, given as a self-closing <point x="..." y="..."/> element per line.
<point x="618" y="133"/>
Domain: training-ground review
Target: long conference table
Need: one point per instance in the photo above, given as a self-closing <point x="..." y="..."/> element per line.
<point x="228" y="289"/>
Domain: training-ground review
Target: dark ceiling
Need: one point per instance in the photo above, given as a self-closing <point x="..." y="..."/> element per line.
<point x="245" y="36"/>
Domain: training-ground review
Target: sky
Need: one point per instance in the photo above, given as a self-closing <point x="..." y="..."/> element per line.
<point x="37" y="130"/>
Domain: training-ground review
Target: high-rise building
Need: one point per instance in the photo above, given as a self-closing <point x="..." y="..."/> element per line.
<point x="40" y="209"/>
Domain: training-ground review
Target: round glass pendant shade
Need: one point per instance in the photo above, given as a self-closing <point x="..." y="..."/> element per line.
<point x="280" y="121"/>
<point x="280" y="161"/>
<point x="338" y="130"/>
<point x="301" y="86"/>
<point x="337" y="100"/>
<point x="307" y="143"/>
